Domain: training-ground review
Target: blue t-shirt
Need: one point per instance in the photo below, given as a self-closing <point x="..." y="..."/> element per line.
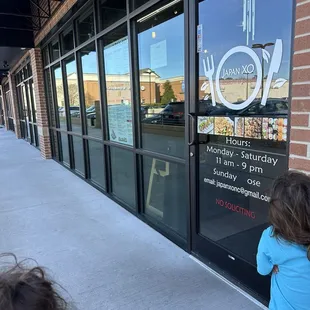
<point x="290" y="288"/>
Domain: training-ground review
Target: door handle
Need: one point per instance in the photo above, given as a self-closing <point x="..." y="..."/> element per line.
<point x="192" y="130"/>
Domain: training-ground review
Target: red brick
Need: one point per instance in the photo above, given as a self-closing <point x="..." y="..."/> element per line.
<point x="301" y="75"/>
<point x="303" y="10"/>
<point x="298" y="149"/>
<point x="301" y="135"/>
<point x="302" y="43"/>
<point x="300" y="120"/>
<point x="302" y="27"/>
<point x="301" y="59"/>
<point x="301" y="105"/>
<point x="299" y="164"/>
<point x="301" y="90"/>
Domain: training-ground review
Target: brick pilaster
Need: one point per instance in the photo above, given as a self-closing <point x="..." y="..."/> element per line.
<point x="14" y="105"/>
<point x="4" y="106"/>
<point x="300" y="112"/>
<point x="39" y="92"/>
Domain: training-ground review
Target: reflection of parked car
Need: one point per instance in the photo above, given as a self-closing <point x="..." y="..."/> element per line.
<point x="174" y="113"/>
<point x="274" y="106"/>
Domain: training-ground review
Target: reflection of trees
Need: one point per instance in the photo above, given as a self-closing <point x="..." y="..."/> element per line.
<point x="89" y="99"/>
<point x="168" y="94"/>
<point x="73" y="92"/>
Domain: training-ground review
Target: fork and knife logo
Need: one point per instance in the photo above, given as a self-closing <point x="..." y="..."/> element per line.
<point x="275" y="63"/>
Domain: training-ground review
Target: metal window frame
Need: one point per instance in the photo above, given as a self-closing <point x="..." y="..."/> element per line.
<point x="138" y="152"/>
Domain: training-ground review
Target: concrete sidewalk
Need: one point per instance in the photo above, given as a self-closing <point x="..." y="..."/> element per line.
<point x="102" y="255"/>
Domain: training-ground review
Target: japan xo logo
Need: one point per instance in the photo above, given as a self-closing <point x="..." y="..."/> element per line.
<point x="274" y="67"/>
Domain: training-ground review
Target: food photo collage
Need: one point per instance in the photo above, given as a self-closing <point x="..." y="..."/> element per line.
<point x="265" y="128"/>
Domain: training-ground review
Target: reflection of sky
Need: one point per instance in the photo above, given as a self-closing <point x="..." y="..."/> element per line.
<point x="173" y="32"/>
<point x="222" y="28"/>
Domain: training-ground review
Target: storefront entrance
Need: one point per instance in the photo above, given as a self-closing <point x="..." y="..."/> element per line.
<point x="238" y="112"/>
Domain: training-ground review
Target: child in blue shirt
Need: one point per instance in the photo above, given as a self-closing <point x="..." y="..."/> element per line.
<point x="284" y="248"/>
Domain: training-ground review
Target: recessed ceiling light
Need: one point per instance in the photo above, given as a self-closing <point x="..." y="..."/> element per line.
<point x="23" y="48"/>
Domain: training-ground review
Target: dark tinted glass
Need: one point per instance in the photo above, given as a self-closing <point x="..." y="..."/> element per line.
<point x="49" y="99"/>
<point x="78" y="154"/>
<point x="86" y="28"/>
<point x="67" y="41"/>
<point x="73" y="96"/>
<point x="55" y="51"/>
<point x="165" y="193"/>
<point x="123" y="175"/>
<point x="65" y="148"/>
<point x="45" y="56"/>
<point x="161" y="64"/>
<point x="112" y="11"/>
<point x="91" y="91"/>
<point x="96" y="158"/>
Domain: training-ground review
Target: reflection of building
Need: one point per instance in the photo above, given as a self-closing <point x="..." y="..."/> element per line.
<point x="119" y="88"/>
<point x="239" y="90"/>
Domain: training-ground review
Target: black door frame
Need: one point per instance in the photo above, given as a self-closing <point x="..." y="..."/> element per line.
<point x="235" y="269"/>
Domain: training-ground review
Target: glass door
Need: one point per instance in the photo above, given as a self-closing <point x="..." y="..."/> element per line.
<point x="239" y="116"/>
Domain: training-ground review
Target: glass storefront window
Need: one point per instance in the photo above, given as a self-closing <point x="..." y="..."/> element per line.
<point x="118" y="86"/>
<point x="244" y="71"/>
<point x="111" y="12"/>
<point x="134" y="4"/>
<point x="65" y="148"/>
<point x="91" y="91"/>
<point x="123" y="175"/>
<point x="73" y="96"/>
<point x="161" y="64"/>
<point x="67" y="41"/>
<point x="165" y="193"/>
<point x="55" y="51"/>
<point x="49" y="99"/>
<point x="78" y="154"/>
<point x="60" y="98"/>
<point x="96" y="158"/>
<point x="85" y="28"/>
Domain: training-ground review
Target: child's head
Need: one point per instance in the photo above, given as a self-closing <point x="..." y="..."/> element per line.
<point x="28" y="289"/>
<point x="290" y="208"/>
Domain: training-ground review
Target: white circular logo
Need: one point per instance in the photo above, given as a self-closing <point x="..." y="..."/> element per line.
<point x="252" y="54"/>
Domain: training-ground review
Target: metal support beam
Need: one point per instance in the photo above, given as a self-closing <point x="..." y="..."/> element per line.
<point x="19" y="29"/>
<point x="39" y="7"/>
<point x="22" y="15"/>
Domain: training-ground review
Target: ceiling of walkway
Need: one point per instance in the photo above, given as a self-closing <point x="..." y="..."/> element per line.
<point x="18" y="21"/>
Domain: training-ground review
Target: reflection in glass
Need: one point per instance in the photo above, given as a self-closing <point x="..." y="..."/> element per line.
<point x="86" y="28"/>
<point x="112" y="11"/>
<point x="116" y="58"/>
<point x="96" y="158"/>
<point x="243" y="94"/>
<point x="165" y="193"/>
<point x="123" y="184"/>
<point x="55" y="51"/>
<point x="60" y="98"/>
<point x="91" y="91"/>
<point x="73" y="96"/>
<point x="78" y="154"/>
<point x="65" y="148"/>
<point x="49" y="99"/>
<point x="161" y="62"/>
<point x="54" y="143"/>
<point x="67" y="41"/>
<point x="134" y="4"/>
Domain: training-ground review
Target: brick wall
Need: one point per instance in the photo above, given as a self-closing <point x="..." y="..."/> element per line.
<point x="58" y="12"/>
<point x="300" y="115"/>
<point x="39" y="92"/>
